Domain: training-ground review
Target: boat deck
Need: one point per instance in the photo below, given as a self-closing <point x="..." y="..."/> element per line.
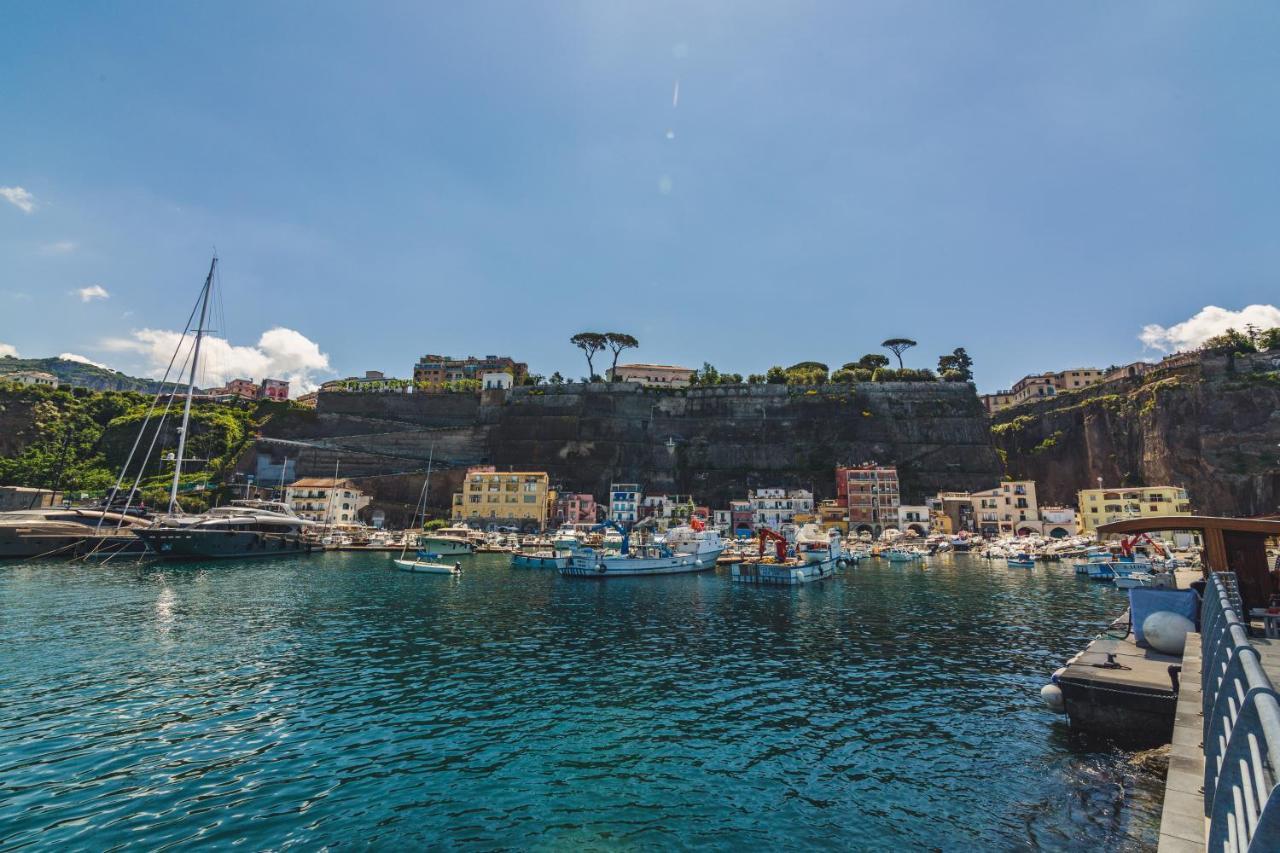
<point x="782" y="574"/>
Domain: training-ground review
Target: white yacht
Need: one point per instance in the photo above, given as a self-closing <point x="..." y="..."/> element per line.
<point x="447" y="542"/>
<point x="567" y="538"/>
<point x="815" y="545"/>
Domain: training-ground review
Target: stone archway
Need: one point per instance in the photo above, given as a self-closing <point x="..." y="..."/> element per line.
<point x="919" y="529"/>
<point x="1058" y="533"/>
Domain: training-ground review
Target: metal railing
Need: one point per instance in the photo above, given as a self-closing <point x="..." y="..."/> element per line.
<point x="1241" y="728"/>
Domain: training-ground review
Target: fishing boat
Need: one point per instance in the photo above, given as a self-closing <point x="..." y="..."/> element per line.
<point x="688" y="548"/>
<point x="567" y="538"/>
<point x="427" y="567"/>
<point x="815" y="545"/>
<point x="1021" y="561"/>
<point x="901" y="555"/>
<point x="539" y="560"/>
<point x="790" y="573"/>
<point x="241" y="529"/>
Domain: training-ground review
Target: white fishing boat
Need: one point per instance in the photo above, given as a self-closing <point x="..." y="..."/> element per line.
<point x="427" y="567"/>
<point x="901" y="555"/>
<point x="567" y="538"/>
<point x="685" y="549"/>
<point x="815" y="545"/>
<point x="539" y="560"/>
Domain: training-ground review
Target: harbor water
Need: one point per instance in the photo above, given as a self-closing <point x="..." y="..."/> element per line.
<point x="332" y="701"/>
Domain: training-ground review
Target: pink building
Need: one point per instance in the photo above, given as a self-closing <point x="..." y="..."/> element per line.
<point x="273" y="389"/>
<point x="575" y="509"/>
<point x="246" y="388"/>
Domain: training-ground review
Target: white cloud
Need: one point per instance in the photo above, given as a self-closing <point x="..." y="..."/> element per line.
<point x="71" y="356"/>
<point x="1207" y="322"/>
<point x="19" y="198"/>
<point x="61" y="247"/>
<point x="92" y="292"/>
<point x="8" y="349"/>
<point x="279" y="354"/>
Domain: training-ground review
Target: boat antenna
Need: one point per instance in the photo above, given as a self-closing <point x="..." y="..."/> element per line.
<point x="191" y="387"/>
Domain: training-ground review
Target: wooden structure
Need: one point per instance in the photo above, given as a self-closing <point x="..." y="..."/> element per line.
<point x="1230" y="545"/>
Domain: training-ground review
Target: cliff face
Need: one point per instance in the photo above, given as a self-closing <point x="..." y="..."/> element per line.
<point x="1213" y="428"/>
<point x="714" y="443"/>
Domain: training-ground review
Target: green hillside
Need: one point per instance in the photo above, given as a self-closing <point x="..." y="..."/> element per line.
<point x="79" y="374"/>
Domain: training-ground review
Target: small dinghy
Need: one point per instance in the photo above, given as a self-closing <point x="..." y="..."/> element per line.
<point x="428" y="568"/>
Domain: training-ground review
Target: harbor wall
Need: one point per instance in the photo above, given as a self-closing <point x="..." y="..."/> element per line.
<point x="714" y="443"/>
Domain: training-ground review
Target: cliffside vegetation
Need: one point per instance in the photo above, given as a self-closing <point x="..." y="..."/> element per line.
<point x="77" y="439"/>
<point x="77" y="373"/>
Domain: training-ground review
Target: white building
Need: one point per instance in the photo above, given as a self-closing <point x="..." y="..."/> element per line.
<point x="624" y="502"/>
<point x="499" y="380"/>
<point x="912" y="517"/>
<point x="1058" y="521"/>
<point x="775" y="507"/>
<point x="326" y="501"/>
<point x="34" y="377"/>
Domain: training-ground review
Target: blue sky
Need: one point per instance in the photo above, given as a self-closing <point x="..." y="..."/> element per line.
<point x="1035" y="182"/>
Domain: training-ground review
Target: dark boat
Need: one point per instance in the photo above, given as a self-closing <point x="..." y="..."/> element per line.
<point x="239" y="530"/>
<point x="67" y="532"/>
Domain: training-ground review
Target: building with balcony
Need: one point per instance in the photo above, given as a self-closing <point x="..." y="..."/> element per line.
<point x="871" y="495"/>
<point x="1103" y="506"/>
<point x="914" y="518"/>
<point x="1007" y="510"/>
<point x="1041" y="385"/>
<point x="653" y="375"/>
<point x="574" y="508"/>
<point x="521" y="499"/>
<point x="436" y="370"/>
<point x="624" y="503"/>
<point x="774" y="507"/>
<point x="325" y="500"/>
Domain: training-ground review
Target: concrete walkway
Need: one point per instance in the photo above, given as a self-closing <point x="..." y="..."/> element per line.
<point x="1183" y="825"/>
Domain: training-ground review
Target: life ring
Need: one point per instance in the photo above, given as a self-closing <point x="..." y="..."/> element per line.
<point x="601" y="568"/>
<point x="842" y="563"/>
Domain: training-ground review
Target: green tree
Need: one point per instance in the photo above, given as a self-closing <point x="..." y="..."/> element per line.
<point x="870" y="361"/>
<point x="730" y="378"/>
<point x="590" y="343"/>
<point x="957" y="362"/>
<point x="708" y="375"/>
<point x="776" y="376"/>
<point x="1268" y="340"/>
<point x="532" y="379"/>
<point x="898" y="346"/>
<point x="617" y="342"/>
<point x="1230" y="341"/>
<point x="843" y="376"/>
<point x="556" y="378"/>
<point x="756" y="379"/>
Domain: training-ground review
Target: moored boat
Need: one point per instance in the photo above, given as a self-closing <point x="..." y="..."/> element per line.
<point x="539" y="560"/>
<point x="447" y="542"/>
<point x="67" y="532"/>
<point x="241" y="529"/>
<point x="685" y="549"/>
<point x="427" y="567"/>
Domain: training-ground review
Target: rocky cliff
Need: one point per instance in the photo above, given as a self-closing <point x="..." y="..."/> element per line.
<point x="714" y="443"/>
<point x="1213" y="427"/>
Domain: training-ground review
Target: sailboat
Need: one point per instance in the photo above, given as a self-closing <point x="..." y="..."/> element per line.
<point x="243" y="528"/>
<point x="422" y="562"/>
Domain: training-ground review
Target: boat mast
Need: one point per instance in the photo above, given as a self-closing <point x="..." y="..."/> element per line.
<point x="191" y="388"/>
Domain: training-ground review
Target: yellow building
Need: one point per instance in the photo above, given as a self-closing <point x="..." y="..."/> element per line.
<point x="508" y="498"/>
<point x="1102" y="506"/>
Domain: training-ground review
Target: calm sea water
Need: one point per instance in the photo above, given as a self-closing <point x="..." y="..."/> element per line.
<point x="334" y="701"/>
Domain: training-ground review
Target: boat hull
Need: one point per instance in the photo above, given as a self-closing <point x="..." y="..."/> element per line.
<point x="782" y="575"/>
<point x="595" y="566"/>
<point x="425" y="568"/>
<point x="538" y="561"/>
<point x="190" y="544"/>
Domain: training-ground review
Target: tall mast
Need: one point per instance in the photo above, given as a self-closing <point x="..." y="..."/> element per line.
<point x="191" y="387"/>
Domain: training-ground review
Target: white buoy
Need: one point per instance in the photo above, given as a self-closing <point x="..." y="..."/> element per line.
<point x="1051" y="694"/>
<point x="1166" y="631"/>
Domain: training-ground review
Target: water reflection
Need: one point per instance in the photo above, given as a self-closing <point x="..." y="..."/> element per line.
<point x="334" y="700"/>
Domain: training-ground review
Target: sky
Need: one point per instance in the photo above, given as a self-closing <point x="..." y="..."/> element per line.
<point x="741" y="183"/>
